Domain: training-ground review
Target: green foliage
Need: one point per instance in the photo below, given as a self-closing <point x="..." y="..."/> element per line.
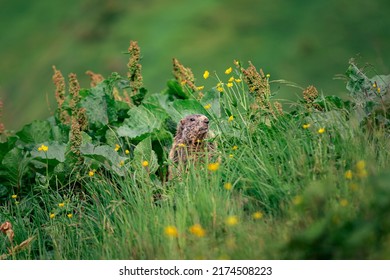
<point x="306" y="184"/>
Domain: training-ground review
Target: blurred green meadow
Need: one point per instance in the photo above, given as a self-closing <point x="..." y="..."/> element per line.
<point x="306" y="42"/>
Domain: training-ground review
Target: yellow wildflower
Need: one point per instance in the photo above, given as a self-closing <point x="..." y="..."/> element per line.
<point x="238" y="80"/>
<point x="43" y="148"/>
<point x="234" y="148"/>
<point x="321" y="130"/>
<point x="257" y="215"/>
<point x="231" y="79"/>
<point x="121" y="163"/>
<point x="206" y="74"/>
<point x="268" y="76"/>
<point x="231" y="156"/>
<point x="236" y="62"/>
<point x="52" y="215"/>
<point x="183" y="82"/>
<point x="14" y="196"/>
<point x="343" y="202"/>
<point x="70" y="215"/>
<point x="231" y="118"/>
<point x="145" y="163"/>
<point x="208" y="106"/>
<point x="306" y="126"/>
<point x="61" y="204"/>
<point x="91" y="173"/>
<point x="360" y="165"/>
<point x="127" y="152"/>
<point x="200" y="87"/>
<point x="197" y="230"/>
<point x="348" y="175"/>
<point x="171" y="231"/>
<point x="228" y="71"/>
<point x="213" y="166"/>
<point x="378" y="90"/>
<point x="117" y="147"/>
<point x="374" y="85"/>
<point x="297" y="200"/>
<point x="231" y="221"/>
<point x="228" y="186"/>
<point x="229" y="84"/>
<point x="181" y="145"/>
<point x="220" y="89"/>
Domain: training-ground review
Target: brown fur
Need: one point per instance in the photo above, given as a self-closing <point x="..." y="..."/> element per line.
<point x="189" y="142"/>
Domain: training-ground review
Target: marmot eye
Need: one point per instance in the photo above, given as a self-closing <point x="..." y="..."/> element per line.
<point x="192" y="119"/>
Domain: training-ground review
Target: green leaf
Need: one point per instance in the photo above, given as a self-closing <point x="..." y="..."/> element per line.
<point x="141" y="122"/>
<point x="175" y="89"/>
<point x="143" y="152"/>
<point x="36" y="132"/>
<point x="100" y="109"/>
<point x="15" y="164"/>
<point x="187" y="107"/>
<point x="55" y="152"/>
<point x="105" y="155"/>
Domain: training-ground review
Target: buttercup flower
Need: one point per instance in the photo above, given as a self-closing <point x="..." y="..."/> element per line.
<point x="14" y="196"/>
<point x="117" y="147"/>
<point x="228" y="71"/>
<point x="61" y="204"/>
<point x="228" y="186"/>
<point x="231" y="221"/>
<point x="213" y="166"/>
<point x="43" y="148"/>
<point x="127" y="152"/>
<point x="321" y="130"/>
<point x="70" y="215"/>
<point x="145" y="163"/>
<point x="206" y="74"/>
<point x="257" y="215"/>
<point x="171" y="231"/>
<point x="208" y="106"/>
<point x="306" y="126"/>
<point x="52" y="215"/>
<point x="197" y="230"/>
<point x="348" y="174"/>
<point x="200" y="87"/>
<point x="231" y="118"/>
<point x="91" y="173"/>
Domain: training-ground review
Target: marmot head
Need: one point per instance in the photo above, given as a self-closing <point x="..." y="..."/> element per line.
<point x="192" y="129"/>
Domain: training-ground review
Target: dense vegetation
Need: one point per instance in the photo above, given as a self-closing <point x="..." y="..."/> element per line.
<point x="305" y="180"/>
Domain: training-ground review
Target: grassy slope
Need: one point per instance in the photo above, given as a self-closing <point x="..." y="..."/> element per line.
<point x="298" y="41"/>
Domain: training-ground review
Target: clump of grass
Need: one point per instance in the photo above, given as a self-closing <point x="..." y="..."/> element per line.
<point x="309" y="184"/>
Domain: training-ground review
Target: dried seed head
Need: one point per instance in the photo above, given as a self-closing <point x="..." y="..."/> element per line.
<point x="183" y="75"/>
<point x="134" y="75"/>
<point x="95" y="78"/>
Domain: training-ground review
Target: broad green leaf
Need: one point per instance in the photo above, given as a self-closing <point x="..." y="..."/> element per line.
<point x="175" y="89"/>
<point x="15" y="164"/>
<point x="143" y="152"/>
<point x="106" y="155"/>
<point x="187" y="107"/>
<point x="141" y="121"/>
<point x="99" y="108"/>
<point x="55" y="152"/>
<point x="36" y="132"/>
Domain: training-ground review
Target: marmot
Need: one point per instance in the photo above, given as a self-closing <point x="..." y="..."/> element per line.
<point x="189" y="142"/>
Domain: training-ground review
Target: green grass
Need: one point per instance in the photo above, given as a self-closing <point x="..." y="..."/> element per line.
<point x="294" y="177"/>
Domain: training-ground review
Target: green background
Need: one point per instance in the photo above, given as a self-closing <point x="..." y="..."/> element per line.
<point x="307" y="42"/>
